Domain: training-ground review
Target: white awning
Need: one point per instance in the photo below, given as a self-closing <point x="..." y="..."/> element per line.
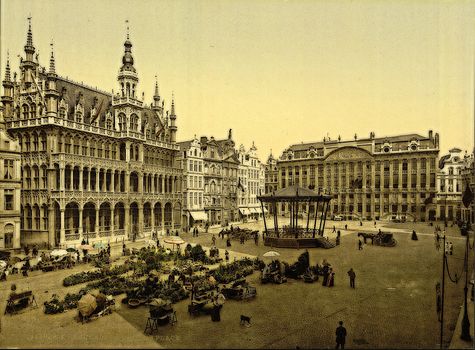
<point x="244" y="211"/>
<point x="254" y="210"/>
<point x="199" y="215"/>
<point x="265" y="210"/>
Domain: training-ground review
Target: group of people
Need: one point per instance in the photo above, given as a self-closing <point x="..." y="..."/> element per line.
<point x="328" y="276"/>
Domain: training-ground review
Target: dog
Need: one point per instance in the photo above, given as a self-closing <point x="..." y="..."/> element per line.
<point x="245" y="319"/>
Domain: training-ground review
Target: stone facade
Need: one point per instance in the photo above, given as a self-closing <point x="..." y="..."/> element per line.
<point x="94" y="164"/>
<point x="449" y="185"/>
<point x="10" y="189"/>
<point x="271" y="183"/>
<point x="250" y="182"/>
<point x="370" y="178"/>
<point x="191" y="158"/>
<point x="468" y="180"/>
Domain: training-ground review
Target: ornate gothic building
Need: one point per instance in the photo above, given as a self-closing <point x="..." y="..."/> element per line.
<point x="94" y="163"/>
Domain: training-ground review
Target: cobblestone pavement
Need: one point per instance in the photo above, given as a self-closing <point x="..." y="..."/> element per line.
<point x="393" y="305"/>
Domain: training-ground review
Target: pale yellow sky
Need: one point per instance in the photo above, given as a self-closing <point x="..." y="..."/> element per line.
<point x="276" y="72"/>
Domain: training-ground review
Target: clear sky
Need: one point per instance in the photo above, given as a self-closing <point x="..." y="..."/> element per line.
<point x="276" y="72"/>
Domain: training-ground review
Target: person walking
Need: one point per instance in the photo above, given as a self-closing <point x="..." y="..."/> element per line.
<point x="414" y="235"/>
<point x="334" y="229"/>
<point x="375" y="224"/>
<point x="360" y="245"/>
<point x="346" y="226"/>
<point x="352" y="276"/>
<point x="226" y="254"/>
<point x="256" y="238"/>
<point x="340" y="336"/>
<point x="213" y="240"/>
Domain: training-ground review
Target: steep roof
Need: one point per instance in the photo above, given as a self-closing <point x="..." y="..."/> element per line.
<point x="320" y="144"/>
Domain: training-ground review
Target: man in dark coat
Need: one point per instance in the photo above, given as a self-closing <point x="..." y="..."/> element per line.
<point x="352" y="276"/>
<point x="325" y="275"/>
<point x="340" y="336"/>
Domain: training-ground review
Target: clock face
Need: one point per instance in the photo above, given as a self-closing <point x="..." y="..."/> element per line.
<point x="413" y="147"/>
<point x="386" y="149"/>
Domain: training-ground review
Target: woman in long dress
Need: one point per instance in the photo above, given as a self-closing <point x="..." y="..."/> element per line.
<point x="331" y="280"/>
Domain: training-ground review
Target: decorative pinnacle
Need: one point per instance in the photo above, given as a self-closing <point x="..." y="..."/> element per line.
<point x="172" y="112"/>
<point x="29" y="37"/>
<point x="7" y="68"/>
<point x="156" y="87"/>
<point x="51" y="60"/>
<point x="127" y="23"/>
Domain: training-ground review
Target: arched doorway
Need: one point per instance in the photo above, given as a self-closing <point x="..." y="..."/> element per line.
<point x="177" y="215"/>
<point x="147" y="215"/>
<point x="57" y="224"/>
<point x="104" y="217"/>
<point x="168" y="215"/>
<point x="89" y="219"/>
<point x="157" y="213"/>
<point x="119" y="216"/>
<point x="71" y="220"/>
<point x="134" y="220"/>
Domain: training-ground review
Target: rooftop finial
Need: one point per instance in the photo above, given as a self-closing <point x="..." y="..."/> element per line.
<point x="7" y="68"/>
<point x="127" y="23"/>
<point x="156" y="88"/>
<point x="172" y="112"/>
<point x="51" y="60"/>
<point x="29" y="37"/>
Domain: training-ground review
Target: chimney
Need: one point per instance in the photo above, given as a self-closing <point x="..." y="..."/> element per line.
<point x="203" y="140"/>
<point x="430" y="134"/>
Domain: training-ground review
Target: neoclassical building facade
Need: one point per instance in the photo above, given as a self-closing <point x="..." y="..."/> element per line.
<point x="94" y="164"/>
<point x="370" y="178"/>
<point x="450" y="185"/>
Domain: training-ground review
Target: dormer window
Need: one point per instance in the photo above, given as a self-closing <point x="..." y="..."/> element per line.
<point x="79" y="117"/>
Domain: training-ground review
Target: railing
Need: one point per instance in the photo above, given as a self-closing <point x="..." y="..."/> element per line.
<point x="120" y="232"/>
<point x="72" y="237"/>
<point x="89" y="128"/>
<point x="105" y="233"/>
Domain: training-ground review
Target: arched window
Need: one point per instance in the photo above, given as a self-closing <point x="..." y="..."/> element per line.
<point x="134" y="122"/>
<point x="62" y="112"/>
<point x="122" y="122"/>
<point x="33" y="110"/>
<point x="26" y="111"/>
<point x="451" y="171"/>
<point x="127" y="87"/>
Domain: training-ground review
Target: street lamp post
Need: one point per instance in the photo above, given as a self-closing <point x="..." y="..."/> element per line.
<point x="443" y="292"/>
<point x="465" y="321"/>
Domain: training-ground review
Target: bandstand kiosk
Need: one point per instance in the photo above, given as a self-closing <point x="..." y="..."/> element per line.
<point x="294" y="235"/>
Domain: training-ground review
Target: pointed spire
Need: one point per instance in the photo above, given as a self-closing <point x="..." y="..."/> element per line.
<point x="156" y="95"/>
<point x="29" y="48"/>
<point x="7" y="68"/>
<point x="29" y="37"/>
<point x="52" y="69"/>
<point x="172" y="111"/>
<point x="127" y="59"/>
